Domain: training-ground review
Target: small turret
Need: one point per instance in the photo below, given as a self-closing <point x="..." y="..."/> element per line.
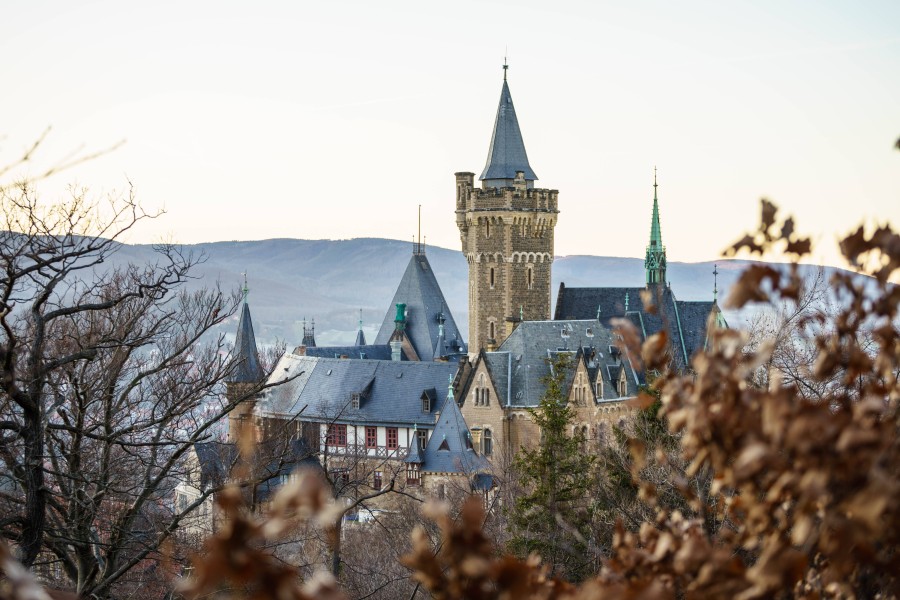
<point x="247" y="373"/>
<point x="309" y="334"/>
<point x="360" y="336"/>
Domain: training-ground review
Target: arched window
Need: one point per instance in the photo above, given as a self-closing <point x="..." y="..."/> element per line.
<point x="529" y="277"/>
<point x="492" y="279"/>
<point x="487" y="228"/>
<point x="487" y="442"/>
<point x="491" y="332"/>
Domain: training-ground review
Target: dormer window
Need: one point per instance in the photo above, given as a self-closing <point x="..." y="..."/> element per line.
<point x="354" y="400"/>
<point x="623" y="383"/>
<point x="429" y="398"/>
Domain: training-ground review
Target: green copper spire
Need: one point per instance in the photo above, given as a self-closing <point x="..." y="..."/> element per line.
<point x="655" y="260"/>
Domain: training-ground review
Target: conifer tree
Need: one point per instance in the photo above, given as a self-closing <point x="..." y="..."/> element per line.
<point x="552" y="515"/>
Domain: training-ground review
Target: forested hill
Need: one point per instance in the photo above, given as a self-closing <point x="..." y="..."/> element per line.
<point x="330" y="280"/>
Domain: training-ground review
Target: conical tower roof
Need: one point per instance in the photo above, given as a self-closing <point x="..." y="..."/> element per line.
<point x="507" y="152"/>
<point x="449" y="449"/>
<point x="425" y="307"/>
<point x="247" y="369"/>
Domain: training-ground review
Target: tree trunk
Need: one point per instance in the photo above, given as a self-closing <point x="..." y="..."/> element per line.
<point x="35" y="492"/>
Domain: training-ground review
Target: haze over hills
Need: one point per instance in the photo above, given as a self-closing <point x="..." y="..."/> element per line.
<point x="330" y="280"/>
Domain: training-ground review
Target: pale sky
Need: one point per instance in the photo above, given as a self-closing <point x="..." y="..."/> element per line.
<point x="255" y="120"/>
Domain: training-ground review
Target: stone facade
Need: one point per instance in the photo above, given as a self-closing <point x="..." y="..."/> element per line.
<point x="512" y="427"/>
<point x="507" y="238"/>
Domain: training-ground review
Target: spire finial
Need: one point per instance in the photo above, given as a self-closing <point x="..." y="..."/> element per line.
<point x="521" y="313"/>
<point x="505" y="65"/>
<point x="715" y="282"/>
<point x="360" y="319"/>
<point x="245" y="290"/>
<point x="654" y="182"/>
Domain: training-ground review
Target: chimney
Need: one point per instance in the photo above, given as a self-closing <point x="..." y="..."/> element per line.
<point x="396" y="349"/>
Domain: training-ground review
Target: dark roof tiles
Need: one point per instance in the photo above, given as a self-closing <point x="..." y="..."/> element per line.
<point x="247" y="368"/>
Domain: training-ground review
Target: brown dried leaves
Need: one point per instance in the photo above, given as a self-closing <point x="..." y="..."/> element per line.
<point x="234" y="562"/>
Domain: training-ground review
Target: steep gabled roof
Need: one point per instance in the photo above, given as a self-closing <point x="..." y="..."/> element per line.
<point x="685" y="322"/>
<point x="506" y="154"/>
<point x="322" y="388"/>
<point x="449" y="448"/>
<point x="522" y="359"/>
<point x="425" y="307"/>
<point x="247" y="368"/>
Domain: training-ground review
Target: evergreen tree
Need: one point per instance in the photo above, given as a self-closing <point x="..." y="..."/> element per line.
<point x="552" y="515"/>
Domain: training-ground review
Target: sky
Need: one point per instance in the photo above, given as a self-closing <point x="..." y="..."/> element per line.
<point x="338" y="119"/>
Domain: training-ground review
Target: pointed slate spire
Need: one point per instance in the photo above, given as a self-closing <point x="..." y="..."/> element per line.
<point x="414" y="452"/>
<point x="450" y="449"/>
<point x="506" y="154"/>
<point x="655" y="260"/>
<point x="360" y="336"/>
<point x="248" y="369"/>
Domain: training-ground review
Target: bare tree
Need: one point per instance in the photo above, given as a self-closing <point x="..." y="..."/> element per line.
<point x="106" y="383"/>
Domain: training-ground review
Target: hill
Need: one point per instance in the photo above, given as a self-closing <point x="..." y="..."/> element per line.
<point x="330" y="280"/>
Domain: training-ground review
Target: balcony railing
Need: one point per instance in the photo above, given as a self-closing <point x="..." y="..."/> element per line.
<point x="364" y="450"/>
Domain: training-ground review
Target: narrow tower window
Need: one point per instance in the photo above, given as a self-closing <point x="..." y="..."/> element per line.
<point x="529" y="277"/>
<point x="491" y="330"/>
<point x="487" y="228"/>
<point x="492" y="280"/>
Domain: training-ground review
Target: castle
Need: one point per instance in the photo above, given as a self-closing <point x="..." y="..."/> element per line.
<point x="390" y="403"/>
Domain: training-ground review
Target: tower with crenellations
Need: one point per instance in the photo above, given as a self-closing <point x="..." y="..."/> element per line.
<point x="506" y="229"/>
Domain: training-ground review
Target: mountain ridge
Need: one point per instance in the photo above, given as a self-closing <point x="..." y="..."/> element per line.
<point x="329" y="281"/>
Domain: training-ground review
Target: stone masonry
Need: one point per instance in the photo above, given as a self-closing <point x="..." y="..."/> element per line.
<point x="507" y="238"/>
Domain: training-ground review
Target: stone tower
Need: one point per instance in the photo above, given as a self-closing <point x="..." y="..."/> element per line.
<point x="655" y="259"/>
<point x="246" y="376"/>
<point x="506" y="229"/>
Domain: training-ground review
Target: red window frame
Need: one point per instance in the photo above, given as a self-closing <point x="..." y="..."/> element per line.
<point x="371" y="437"/>
<point x="376" y="480"/>
<point x="337" y="435"/>
<point x="393" y="438"/>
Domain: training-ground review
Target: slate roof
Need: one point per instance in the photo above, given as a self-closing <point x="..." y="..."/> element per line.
<point x="449" y="449"/>
<point x="521" y="361"/>
<point x="506" y="154"/>
<point x="360" y="338"/>
<point x="372" y="351"/>
<point x="415" y="453"/>
<point x="247" y="368"/>
<point x="216" y="460"/>
<point x="685" y="322"/>
<point x="419" y="290"/>
<point x="391" y="391"/>
<point x="299" y="456"/>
